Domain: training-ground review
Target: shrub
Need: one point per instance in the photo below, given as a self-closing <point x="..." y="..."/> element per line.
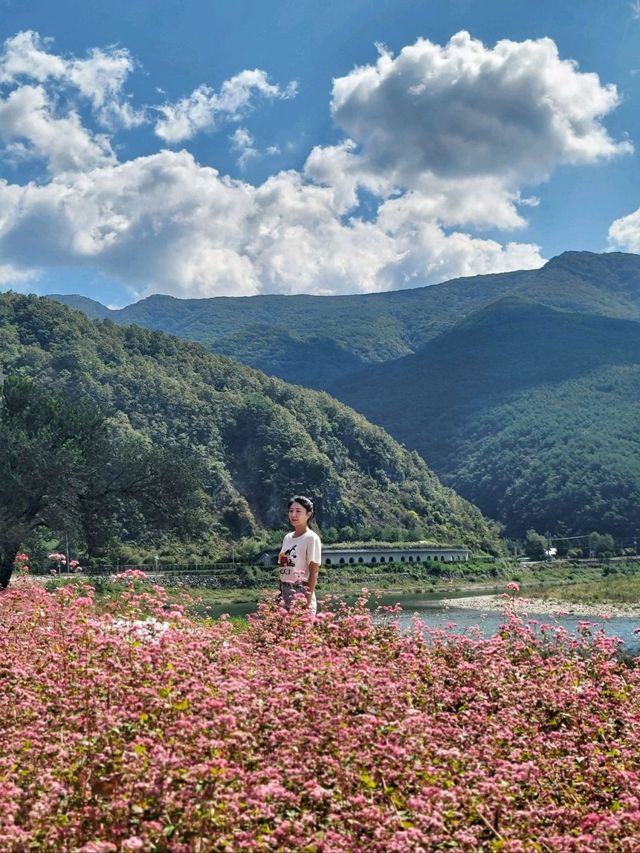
<point x="142" y="730"/>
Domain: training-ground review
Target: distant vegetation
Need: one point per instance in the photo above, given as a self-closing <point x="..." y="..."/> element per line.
<point x="530" y="413"/>
<point x="520" y="390"/>
<point x="315" y="341"/>
<point x="253" y="440"/>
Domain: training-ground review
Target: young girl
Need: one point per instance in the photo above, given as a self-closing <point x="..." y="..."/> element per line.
<point x="300" y="556"/>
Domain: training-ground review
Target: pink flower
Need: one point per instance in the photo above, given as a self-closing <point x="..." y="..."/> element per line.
<point x="134" y="842"/>
<point x="166" y="732"/>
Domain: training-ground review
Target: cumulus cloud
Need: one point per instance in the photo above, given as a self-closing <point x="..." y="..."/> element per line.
<point x="443" y="138"/>
<point x="164" y="223"/>
<point x="242" y="143"/>
<point x="99" y="78"/>
<point x="445" y="255"/>
<point x="27" y="115"/>
<point x="464" y="110"/>
<point x="204" y="108"/>
<point x="624" y="233"/>
<point x="465" y="127"/>
<point x="480" y="201"/>
<point x="15" y="278"/>
<point x="25" y="55"/>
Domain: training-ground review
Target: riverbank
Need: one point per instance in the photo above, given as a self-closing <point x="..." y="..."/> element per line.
<point x="543" y="606"/>
<point x="582" y="589"/>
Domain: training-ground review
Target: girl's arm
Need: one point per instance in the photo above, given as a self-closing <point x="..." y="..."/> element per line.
<point x="313" y="579"/>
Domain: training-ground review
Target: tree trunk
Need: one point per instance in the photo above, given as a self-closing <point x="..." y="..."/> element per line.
<point x="8" y="553"/>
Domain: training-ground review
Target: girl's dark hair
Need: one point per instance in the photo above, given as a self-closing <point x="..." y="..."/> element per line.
<point x="307" y="503"/>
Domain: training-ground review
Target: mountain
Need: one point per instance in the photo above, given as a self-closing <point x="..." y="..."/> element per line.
<point x="259" y="440"/>
<point x="316" y="340"/>
<point x="93" y="309"/>
<point x="530" y="412"/>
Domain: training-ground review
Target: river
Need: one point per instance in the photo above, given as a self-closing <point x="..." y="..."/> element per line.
<point x="463" y="620"/>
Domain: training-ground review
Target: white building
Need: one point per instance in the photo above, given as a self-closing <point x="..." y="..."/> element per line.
<point x="378" y="556"/>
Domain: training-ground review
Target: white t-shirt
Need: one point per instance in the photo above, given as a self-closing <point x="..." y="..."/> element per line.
<point x="296" y="554"/>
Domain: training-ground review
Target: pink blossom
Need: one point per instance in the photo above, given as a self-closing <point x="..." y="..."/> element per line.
<point x="133" y="843"/>
<point x="141" y="729"/>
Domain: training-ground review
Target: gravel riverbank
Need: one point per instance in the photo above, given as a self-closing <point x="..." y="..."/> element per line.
<point x="543" y="606"/>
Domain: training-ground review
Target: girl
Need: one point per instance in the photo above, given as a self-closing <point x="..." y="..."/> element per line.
<point x="300" y="556"/>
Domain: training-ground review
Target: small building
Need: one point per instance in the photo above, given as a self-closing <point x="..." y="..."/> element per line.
<point x="381" y="555"/>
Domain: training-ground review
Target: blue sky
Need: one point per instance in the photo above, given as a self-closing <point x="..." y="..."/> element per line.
<point x="214" y="148"/>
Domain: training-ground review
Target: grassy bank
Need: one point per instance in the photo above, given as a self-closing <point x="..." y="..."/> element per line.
<point x="620" y="589"/>
<point x="569" y="581"/>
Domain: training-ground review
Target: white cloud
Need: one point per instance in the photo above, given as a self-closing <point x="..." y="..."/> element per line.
<point x="478" y="201"/>
<point x="27" y="116"/>
<point x="242" y="142"/>
<point x="445" y="139"/>
<point x="462" y="111"/>
<point x="204" y="108"/>
<point x="99" y="78"/>
<point x="463" y="128"/>
<point x="624" y="233"/>
<point x="11" y="277"/>
<point x="161" y="221"/>
<point x="427" y="247"/>
<point x="25" y="55"/>
<point x="164" y="223"/>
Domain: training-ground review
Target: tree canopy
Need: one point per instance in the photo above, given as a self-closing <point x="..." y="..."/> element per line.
<point x="255" y="439"/>
<point x="66" y="468"/>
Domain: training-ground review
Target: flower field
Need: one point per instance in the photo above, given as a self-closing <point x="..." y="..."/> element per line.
<point x="343" y="735"/>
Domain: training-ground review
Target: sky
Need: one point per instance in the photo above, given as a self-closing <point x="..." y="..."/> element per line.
<point x="216" y="148"/>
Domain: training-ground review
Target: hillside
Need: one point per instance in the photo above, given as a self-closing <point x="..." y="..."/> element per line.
<point x="529" y="412"/>
<point x="259" y="439"/>
<point x="315" y="340"/>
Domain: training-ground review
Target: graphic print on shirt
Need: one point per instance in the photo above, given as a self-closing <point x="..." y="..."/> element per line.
<point x="288" y="558"/>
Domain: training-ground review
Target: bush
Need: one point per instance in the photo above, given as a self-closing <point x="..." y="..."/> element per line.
<point x="142" y="730"/>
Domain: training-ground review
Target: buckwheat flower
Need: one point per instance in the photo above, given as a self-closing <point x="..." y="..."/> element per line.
<point x="133" y="843"/>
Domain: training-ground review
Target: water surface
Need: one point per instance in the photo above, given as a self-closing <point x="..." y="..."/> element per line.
<point x="463" y="620"/>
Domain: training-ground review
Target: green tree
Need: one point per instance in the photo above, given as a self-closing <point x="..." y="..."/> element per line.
<point x="535" y="545"/>
<point x="602" y="544"/>
<point x="65" y="468"/>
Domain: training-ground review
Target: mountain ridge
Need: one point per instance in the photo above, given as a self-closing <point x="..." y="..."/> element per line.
<point x="259" y="439"/>
<point x="511" y="391"/>
<point x="348" y="330"/>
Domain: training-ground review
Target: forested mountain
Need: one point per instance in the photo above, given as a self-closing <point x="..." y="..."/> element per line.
<point x="496" y="380"/>
<point x="315" y="341"/>
<point x="531" y="413"/>
<point x="257" y="439"/>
